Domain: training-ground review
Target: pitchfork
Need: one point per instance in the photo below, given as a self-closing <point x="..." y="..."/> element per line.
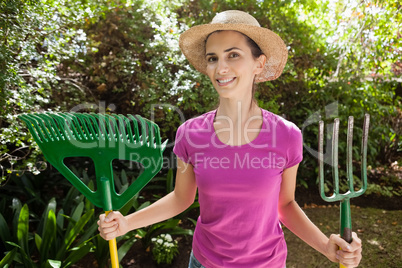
<point x="344" y="198"/>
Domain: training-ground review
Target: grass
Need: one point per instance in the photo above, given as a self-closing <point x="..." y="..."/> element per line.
<point x="380" y="231"/>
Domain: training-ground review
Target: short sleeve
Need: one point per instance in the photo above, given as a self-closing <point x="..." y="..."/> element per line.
<point x="294" y="154"/>
<point x="180" y="144"/>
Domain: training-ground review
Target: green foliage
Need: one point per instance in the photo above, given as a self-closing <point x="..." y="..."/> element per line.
<point x="53" y="241"/>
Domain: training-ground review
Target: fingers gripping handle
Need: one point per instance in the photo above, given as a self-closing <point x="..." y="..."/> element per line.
<point x="114" y="259"/>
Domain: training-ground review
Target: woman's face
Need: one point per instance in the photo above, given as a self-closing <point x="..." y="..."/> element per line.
<point x="230" y="64"/>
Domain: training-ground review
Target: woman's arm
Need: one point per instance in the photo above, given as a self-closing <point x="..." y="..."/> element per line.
<point x="115" y="224"/>
<point x="293" y="217"/>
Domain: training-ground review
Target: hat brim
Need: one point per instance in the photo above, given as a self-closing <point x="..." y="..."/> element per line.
<point x="192" y="44"/>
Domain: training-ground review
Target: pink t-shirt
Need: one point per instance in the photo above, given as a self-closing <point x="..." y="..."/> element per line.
<point x="238" y="189"/>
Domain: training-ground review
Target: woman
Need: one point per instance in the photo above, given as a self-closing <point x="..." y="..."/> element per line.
<point x="242" y="159"/>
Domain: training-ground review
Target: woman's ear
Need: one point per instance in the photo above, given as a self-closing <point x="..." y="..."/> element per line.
<point x="260" y="63"/>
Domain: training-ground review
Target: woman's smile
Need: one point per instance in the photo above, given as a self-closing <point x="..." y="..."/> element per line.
<point x="225" y="81"/>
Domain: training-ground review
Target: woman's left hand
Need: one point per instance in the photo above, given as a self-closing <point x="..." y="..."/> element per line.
<point x="349" y="255"/>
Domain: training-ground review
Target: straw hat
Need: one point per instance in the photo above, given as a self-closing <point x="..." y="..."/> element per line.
<point x="192" y="42"/>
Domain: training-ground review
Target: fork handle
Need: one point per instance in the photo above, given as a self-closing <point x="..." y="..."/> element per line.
<point x="346" y="222"/>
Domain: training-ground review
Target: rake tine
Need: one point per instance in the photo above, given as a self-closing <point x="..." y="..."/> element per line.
<point x="349" y="154"/>
<point x="136" y="130"/>
<point x="335" y="174"/>
<point x="150" y="134"/>
<point x="129" y="137"/>
<point x="51" y="126"/>
<point x="157" y="136"/>
<point x="144" y="131"/>
<point x="72" y="125"/>
<point x="110" y="127"/>
<point x="120" y="133"/>
<point x="61" y="126"/>
<point x="44" y="128"/>
<point x="89" y="123"/>
<point x="122" y="128"/>
<point x="96" y="125"/>
<point x="69" y="125"/>
<point x="33" y="127"/>
<point x="78" y="125"/>
<point x="100" y="123"/>
<point x="83" y="125"/>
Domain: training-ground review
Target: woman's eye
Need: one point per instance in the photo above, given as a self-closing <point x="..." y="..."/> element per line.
<point x="211" y="59"/>
<point x="234" y="55"/>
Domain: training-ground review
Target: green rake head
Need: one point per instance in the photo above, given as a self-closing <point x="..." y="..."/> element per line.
<point x="103" y="138"/>
<point x="336" y="196"/>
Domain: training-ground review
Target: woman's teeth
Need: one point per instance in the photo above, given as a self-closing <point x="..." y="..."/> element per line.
<point x="225" y="80"/>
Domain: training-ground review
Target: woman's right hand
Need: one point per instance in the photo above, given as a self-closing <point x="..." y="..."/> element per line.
<point x="112" y="225"/>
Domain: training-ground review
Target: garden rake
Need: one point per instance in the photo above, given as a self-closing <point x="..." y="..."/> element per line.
<point x="344" y="198"/>
<point x="103" y="138"/>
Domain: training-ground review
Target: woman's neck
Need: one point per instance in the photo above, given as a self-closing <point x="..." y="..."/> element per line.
<point x="237" y="111"/>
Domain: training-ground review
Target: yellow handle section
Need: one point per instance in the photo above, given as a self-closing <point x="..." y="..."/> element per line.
<point x="341" y="265"/>
<point x="114" y="259"/>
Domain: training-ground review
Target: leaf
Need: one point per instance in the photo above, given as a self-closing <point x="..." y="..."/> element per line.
<point x="4" y="230"/>
<point x="74" y="232"/>
<point x="60" y="219"/>
<point x="38" y="241"/>
<point x="77" y="254"/>
<point x="23" y="225"/>
<point x="123" y="249"/>
<point x="8" y="259"/>
<point x="52" y="264"/>
<point x="49" y="234"/>
<point x="75" y="216"/>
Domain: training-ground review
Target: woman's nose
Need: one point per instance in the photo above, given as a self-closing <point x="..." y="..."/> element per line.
<point x="222" y="67"/>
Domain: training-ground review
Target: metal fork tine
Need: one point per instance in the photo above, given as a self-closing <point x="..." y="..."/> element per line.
<point x="366" y="125"/>
<point x="349" y="154"/>
<point x="321" y="159"/>
<point x="335" y="174"/>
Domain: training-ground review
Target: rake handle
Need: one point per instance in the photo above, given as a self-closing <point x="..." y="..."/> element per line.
<point x="114" y="259"/>
<point x="105" y="188"/>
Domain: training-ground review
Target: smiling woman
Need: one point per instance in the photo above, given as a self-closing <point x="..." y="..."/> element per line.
<point x="242" y="159"/>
